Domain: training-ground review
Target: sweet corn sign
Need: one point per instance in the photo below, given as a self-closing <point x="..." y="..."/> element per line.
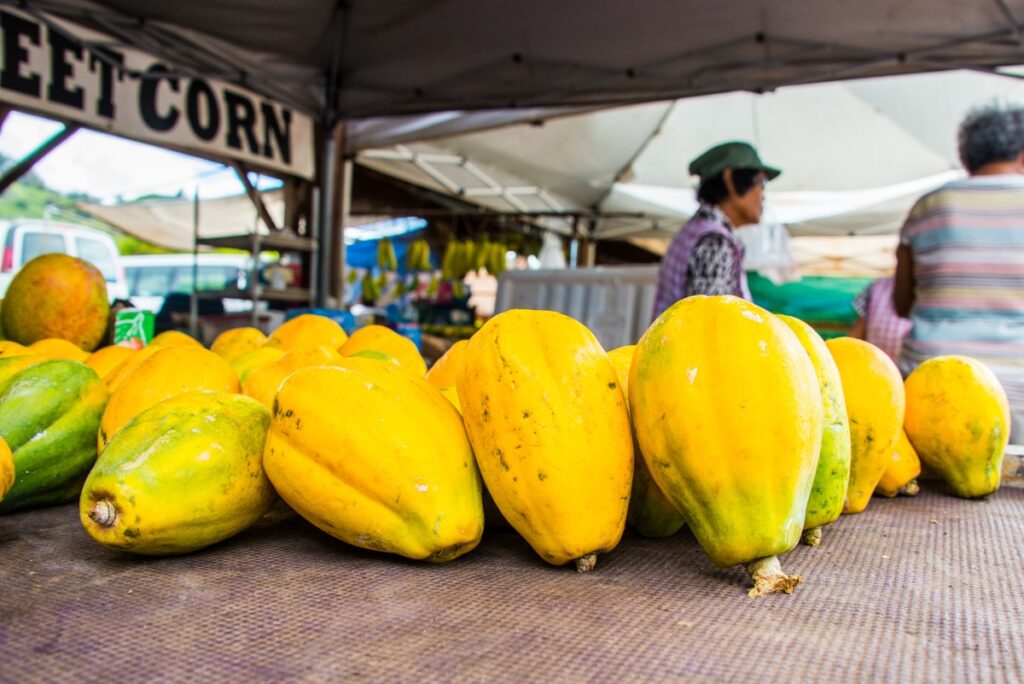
<point x="47" y="68"/>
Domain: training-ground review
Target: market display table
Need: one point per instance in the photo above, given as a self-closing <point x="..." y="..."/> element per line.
<point x="920" y="589"/>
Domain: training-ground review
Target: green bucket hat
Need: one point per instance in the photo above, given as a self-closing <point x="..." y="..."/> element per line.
<point x="730" y="155"/>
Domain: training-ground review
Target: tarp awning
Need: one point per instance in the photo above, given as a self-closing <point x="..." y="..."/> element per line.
<point x="388" y="57"/>
<point x="854" y="155"/>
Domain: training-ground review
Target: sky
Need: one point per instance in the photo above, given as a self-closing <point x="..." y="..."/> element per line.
<point x="109" y="168"/>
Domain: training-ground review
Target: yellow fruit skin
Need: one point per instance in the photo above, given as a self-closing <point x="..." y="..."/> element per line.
<point x="184" y="474"/>
<point x="262" y="384"/>
<point x="651" y="513"/>
<point x="452" y="395"/>
<point x="56" y="348"/>
<point x="875" y="404"/>
<point x="728" y="415"/>
<point x="248" y="362"/>
<point x="108" y="359"/>
<point x="446" y="369"/>
<point x="117" y="375"/>
<point x="231" y="344"/>
<point x="549" y="426"/>
<point x="307" y="331"/>
<point x="10" y="348"/>
<point x="377" y="459"/>
<point x="832" y="477"/>
<point x="174" y="338"/>
<point x="379" y="338"/>
<point x="958" y="420"/>
<point x="6" y="469"/>
<point x="168" y="372"/>
<point x="904" y="467"/>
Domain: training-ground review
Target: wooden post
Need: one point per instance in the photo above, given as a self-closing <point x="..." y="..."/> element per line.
<point x="255" y="196"/>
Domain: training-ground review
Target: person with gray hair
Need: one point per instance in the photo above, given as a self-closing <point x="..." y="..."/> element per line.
<point x="960" y="261"/>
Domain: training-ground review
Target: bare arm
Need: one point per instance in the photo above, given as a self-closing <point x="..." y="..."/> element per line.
<point x="859" y="329"/>
<point x="903" y="287"/>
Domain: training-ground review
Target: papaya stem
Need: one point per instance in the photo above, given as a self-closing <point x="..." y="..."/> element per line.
<point x="103" y="513"/>
<point x="811" y="537"/>
<point x="586" y="563"/>
<point x="909" y="489"/>
<point x="769" y="578"/>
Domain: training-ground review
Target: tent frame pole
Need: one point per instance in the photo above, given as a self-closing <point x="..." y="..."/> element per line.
<point x="32" y="158"/>
<point x="325" y="219"/>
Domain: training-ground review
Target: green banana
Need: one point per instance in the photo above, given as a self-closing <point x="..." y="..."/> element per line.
<point x="386" y="260"/>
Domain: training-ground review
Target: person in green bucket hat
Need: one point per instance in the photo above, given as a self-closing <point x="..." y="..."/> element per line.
<point x="705" y="257"/>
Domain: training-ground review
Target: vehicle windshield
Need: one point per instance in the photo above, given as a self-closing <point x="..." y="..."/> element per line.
<point x="159" y="281"/>
<point x="98" y="254"/>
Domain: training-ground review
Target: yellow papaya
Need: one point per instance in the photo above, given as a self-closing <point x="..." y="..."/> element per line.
<point x="729" y="418"/>
<point x="108" y="359"/>
<point x="117" y="375"/>
<point x="651" y="513"/>
<point x="169" y="371"/>
<point x="445" y="370"/>
<point x="549" y="426"/>
<point x="231" y="344"/>
<point x="832" y="477"/>
<point x="900" y="476"/>
<point x="56" y="348"/>
<point x="307" y="331"/>
<point x="262" y="383"/>
<point x="246" y="363"/>
<point x="6" y="468"/>
<point x="183" y="474"/>
<point x="175" y="338"/>
<point x="381" y="339"/>
<point x="9" y="348"/>
<point x="958" y="419"/>
<point x="452" y="395"/>
<point x="377" y="459"/>
<point x="875" y="403"/>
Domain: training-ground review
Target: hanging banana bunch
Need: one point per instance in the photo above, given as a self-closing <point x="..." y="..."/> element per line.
<point x="417" y="257"/>
<point x="495" y="262"/>
<point x="371" y="292"/>
<point x="386" y="260"/>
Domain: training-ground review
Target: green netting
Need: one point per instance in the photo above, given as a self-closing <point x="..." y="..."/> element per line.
<point x="823" y="301"/>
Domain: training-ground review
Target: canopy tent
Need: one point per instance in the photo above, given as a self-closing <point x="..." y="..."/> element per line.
<point x="386" y="57"/>
<point x="172" y="222"/>
<point x="854" y="155"/>
<point x="335" y="62"/>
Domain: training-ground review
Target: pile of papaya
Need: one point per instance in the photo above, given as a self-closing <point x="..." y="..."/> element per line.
<point x="743" y="426"/>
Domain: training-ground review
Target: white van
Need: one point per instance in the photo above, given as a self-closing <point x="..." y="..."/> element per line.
<point x="25" y="239"/>
<point x="152" y="277"/>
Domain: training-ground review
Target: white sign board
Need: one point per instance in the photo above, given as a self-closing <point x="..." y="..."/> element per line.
<point x="129" y="93"/>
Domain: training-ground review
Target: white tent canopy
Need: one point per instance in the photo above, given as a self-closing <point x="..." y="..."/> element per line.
<point x="854" y="154"/>
<point x="171" y="222"/>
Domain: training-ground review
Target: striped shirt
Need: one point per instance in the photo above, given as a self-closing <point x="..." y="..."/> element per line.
<point x="967" y="241"/>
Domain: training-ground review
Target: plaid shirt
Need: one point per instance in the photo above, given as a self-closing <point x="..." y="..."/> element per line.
<point x="711" y="266"/>
<point x="883" y="326"/>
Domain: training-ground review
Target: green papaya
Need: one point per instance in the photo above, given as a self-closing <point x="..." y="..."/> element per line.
<point x="832" y="477"/>
<point x="50" y="413"/>
<point x="180" y="476"/>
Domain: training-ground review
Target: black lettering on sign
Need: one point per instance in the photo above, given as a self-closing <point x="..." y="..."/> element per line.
<point x="281" y="131"/>
<point x="14" y="29"/>
<point x="241" y="114"/>
<point x="61" y="70"/>
<point x="147" y="100"/>
<point x="198" y="97"/>
<point x="105" y="102"/>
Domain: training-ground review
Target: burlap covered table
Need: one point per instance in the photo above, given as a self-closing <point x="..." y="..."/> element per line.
<point x="925" y="589"/>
